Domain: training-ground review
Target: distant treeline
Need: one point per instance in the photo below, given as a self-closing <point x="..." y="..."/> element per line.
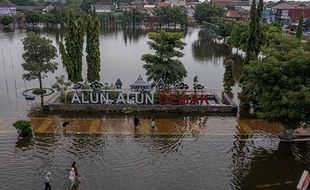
<point x="162" y="17"/>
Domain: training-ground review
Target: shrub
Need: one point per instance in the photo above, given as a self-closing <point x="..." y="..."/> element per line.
<point x="6" y="20"/>
<point x="23" y="127"/>
<point x="39" y="91"/>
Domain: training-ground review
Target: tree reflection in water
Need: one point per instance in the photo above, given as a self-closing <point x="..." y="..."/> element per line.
<point x="132" y="34"/>
<point x="24" y="143"/>
<point x="261" y="161"/>
<point x="207" y="49"/>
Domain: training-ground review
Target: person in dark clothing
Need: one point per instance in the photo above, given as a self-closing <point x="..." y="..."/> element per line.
<point x="75" y="169"/>
<point x="47" y="180"/>
<point x="136" y="121"/>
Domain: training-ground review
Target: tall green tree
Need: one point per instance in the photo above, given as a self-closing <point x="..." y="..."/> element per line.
<point x="252" y="48"/>
<point x="164" y="64"/>
<point x="260" y="8"/>
<point x="38" y="55"/>
<point x="72" y="52"/>
<point x="300" y="27"/>
<point x="279" y="85"/>
<point x="228" y="79"/>
<point x="92" y="49"/>
<point x="206" y="11"/>
<point x="87" y="5"/>
<point x="60" y="15"/>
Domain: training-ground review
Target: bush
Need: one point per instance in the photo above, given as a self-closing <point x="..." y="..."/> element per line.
<point x="66" y="98"/>
<point x="39" y="91"/>
<point x="23" y="127"/>
<point x="6" y="20"/>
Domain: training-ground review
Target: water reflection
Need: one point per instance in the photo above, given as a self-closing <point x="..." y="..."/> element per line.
<point x="196" y="152"/>
<point x="132" y="35"/>
<point x="206" y="49"/>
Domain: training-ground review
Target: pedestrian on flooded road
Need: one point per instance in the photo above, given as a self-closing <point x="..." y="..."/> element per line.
<point x="153" y="123"/>
<point x="136" y="121"/>
<point x="77" y="178"/>
<point x="47" y="180"/>
<point x="72" y="177"/>
<point x="75" y="168"/>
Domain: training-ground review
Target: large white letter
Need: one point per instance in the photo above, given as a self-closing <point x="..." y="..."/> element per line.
<point x="75" y="98"/>
<point x="141" y="100"/>
<point x="83" y="99"/>
<point x="92" y="99"/>
<point x="149" y="99"/>
<point x="120" y="98"/>
<point x="104" y="99"/>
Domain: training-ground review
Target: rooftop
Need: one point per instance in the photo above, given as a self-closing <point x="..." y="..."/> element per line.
<point x="140" y="82"/>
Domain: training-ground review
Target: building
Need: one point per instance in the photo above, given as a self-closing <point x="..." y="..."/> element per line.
<point x="234" y="14"/>
<point x="104" y="6"/>
<point x="288" y="12"/>
<point x="140" y="85"/>
<point x="7" y="7"/>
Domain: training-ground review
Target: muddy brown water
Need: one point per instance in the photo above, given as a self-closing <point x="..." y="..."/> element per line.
<point x="185" y="152"/>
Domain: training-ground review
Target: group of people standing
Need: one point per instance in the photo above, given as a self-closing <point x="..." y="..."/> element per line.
<point x="73" y="176"/>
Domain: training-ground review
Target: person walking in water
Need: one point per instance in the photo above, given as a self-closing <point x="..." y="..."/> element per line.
<point x="47" y="180"/>
<point x="76" y="183"/>
<point x="153" y="124"/>
<point x="75" y="168"/>
<point x="136" y="121"/>
<point x="72" y="177"/>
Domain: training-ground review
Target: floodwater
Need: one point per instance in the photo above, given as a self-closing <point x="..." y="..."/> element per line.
<point x="183" y="152"/>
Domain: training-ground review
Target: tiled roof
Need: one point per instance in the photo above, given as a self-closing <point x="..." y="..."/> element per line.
<point x="233" y="14"/>
<point x="284" y="5"/>
<point x="140" y="82"/>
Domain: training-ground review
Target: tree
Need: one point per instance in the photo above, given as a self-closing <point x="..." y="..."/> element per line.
<point x="72" y="52"/>
<point x="38" y="55"/>
<point x="171" y="15"/>
<point x="224" y="26"/>
<point x="279" y="85"/>
<point x="206" y="11"/>
<point x="239" y="35"/>
<point x="228" y="79"/>
<point x="300" y="27"/>
<point x="87" y="5"/>
<point x="252" y="48"/>
<point x="23" y="127"/>
<point x="260" y="8"/>
<point x="92" y="49"/>
<point x="32" y="17"/>
<point x="47" y="18"/>
<point x="6" y="20"/>
<point x="164" y="63"/>
<point x="259" y="33"/>
<point x="131" y="17"/>
<point x="269" y="32"/>
<point x="60" y="14"/>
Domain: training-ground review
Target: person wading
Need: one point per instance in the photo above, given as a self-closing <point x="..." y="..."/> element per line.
<point x="136" y="121"/>
<point x="72" y="177"/>
<point x="47" y="180"/>
<point x="76" y="182"/>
